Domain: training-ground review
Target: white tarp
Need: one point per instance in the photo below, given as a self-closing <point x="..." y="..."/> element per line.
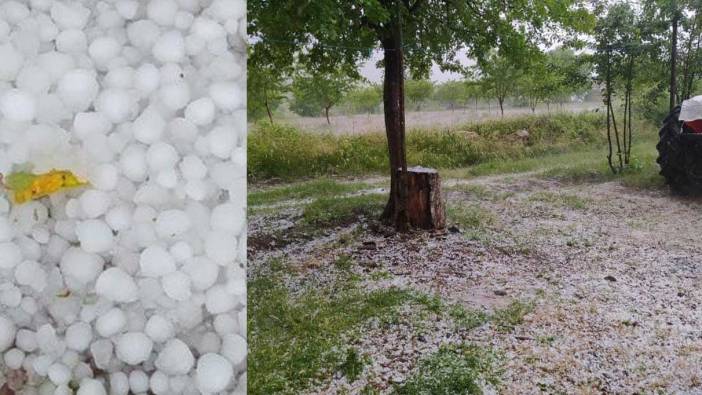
<point x="691" y="109"/>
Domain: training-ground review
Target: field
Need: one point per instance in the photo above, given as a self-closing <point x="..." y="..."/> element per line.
<point x="432" y="119"/>
<point x="554" y="276"/>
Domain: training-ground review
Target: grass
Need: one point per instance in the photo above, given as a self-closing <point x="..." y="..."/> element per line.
<point x="467" y="319"/>
<point x="296" y="340"/>
<point x="455" y="369"/>
<point x="506" y="319"/>
<point x="279" y="151"/>
<point x="561" y="199"/>
<point x="324" y="187"/>
<point x="336" y="211"/>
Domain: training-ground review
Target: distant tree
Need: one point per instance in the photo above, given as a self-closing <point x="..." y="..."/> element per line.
<point x="418" y="91"/>
<point x="451" y="93"/>
<point x="265" y="91"/>
<point x="326" y="35"/>
<point x="499" y="77"/>
<point x="364" y="99"/>
<point x="315" y="93"/>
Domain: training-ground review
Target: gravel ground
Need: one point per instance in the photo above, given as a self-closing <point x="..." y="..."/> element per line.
<point x="612" y="273"/>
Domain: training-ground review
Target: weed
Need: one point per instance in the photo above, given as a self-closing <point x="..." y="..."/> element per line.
<point x="506" y="319"/>
<point x="338" y="211"/>
<point x="352" y="367"/>
<point x="344" y="262"/>
<point x="467" y="319"/>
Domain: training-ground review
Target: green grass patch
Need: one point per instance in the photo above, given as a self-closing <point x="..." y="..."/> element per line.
<point x="337" y="211"/>
<point x="324" y="187"/>
<point x="279" y="151"/>
<point x="295" y="340"/>
<point x="344" y="262"/>
<point x="352" y="367"/>
<point x="561" y="199"/>
<point x="467" y="319"/>
<point x="507" y="318"/>
<point x="452" y="370"/>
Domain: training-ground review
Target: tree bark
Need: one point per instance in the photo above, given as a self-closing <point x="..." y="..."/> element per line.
<point x="326" y="112"/>
<point x="395" y="212"/>
<point x="502" y="111"/>
<point x="425" y="204"/>
<point x="673" y="56"/>
<point x="268" y="110"/>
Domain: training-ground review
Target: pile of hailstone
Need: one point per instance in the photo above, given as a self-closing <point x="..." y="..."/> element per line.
<point x="136" y="283"/>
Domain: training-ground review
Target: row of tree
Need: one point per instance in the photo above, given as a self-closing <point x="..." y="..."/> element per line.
<point x="556" y="76"/>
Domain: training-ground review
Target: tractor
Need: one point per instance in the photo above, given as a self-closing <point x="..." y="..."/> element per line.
<point x="680" y="153"/>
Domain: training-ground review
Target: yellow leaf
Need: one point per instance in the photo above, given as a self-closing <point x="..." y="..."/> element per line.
<point x="26" y="186"/>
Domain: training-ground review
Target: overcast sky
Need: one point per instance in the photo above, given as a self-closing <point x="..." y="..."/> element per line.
<point x="375" y="75"/>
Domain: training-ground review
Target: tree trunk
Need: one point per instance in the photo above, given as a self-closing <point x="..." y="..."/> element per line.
<point x="395" y="212"/>
<point x="326" y="113"/>
<point x="502" y="111"/>
<point x="268" y="110"/>
<point x="425" y="206"/>
<point x="673" y="55"/>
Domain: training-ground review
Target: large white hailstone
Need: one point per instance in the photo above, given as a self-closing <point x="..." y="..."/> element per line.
<point x="81" y="266"/>
<point x="218" y="300"/>
<point x="161" y="156"/>
<point x="121" y="77"/>
<point x="133" y="163"/>
<point x="147" y="78"/>
<point x="18" y="106"/>
<point x="104" y="49"/>
<point x="170" y="47"/>
<point x="226" y="95"/>
<point x="143" y="34"/>
<point x="175" y="358"/>
<point x="234" y="349"/>
<point x="225" y="323"/>
<point x="95" y="203"/>
<point x="159" y="328"/>
<point x="116" y="285"/>
<point x="14" y="358"/>
<point x="30" y="273"/>
<point x="115" y="104"/>
<point x="138" y="381"/>
<point x="104" y="177"/>
<point x="175" y="96"/>
<point x="119" y="383"/>
<point x="227" y="9"/>
<point x="95" y="236"/>
<point x="172" y="223"/>
<point x="176" y="286"/>
<point x="193" y="168"/>
<point x="111" y="323"/>
<point x="201" y="111"/>
<point x="77" y="90"/>
<point x="155" y="261"/>
<point x="221" y="247"/>
<point x="7" y="232"/>
<point x="26" y="340"/>
<point x="149" y="126"/>
<point x="34" y="79"/>
<point x="59" y="374"/>
<point x="10" y="255"/>
<point x="69" y="15"/>
<point x="202" y="271"/>
<point x="11" y="64"/>
<point x="213" y="373"/>
<point x="78" y="336"/>
<point x="133" y="348"/>
<point x="119" y="218"/>
<point x="162" y="12"/>
<point x="207" y="29"/>
<point x="72" y="41"/>
<point x="228" y="217"/>
<point x="101" y="351"/>
<point x="181" y="251"/>
<point x="90" y="386"/>
<point x="7" y="333"/>
<point x="221" y="141"/>
<point x="127" y="9"/>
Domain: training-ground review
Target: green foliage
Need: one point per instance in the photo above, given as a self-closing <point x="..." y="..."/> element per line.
<point x="352" y="367"/>
<point x="418" y="92"/>
<point x="467" y="319"/>
<point x="454" y="369"/>
<point x="506" y="319"/>
<point x="317" y="93"/>
<point x="265" y="90"/>
<point x="500" y="76"/>
<point x="364" y="99"/>
<point x="452" y="93"/>
<point x="285" y="152"/>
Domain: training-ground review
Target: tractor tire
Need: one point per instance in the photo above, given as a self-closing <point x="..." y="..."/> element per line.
<point x="679" y="156"/>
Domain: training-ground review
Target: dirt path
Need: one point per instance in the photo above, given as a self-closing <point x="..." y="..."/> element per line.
<point x="612" y="273"/>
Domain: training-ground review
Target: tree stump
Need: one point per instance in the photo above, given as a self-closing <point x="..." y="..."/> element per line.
<point x="425" y="203"/>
